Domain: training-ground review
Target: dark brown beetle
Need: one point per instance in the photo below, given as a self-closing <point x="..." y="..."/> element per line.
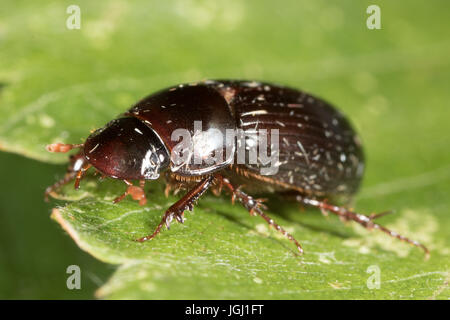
<point x="319" y="155"/>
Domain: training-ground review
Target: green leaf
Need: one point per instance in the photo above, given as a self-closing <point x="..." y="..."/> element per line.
<point x="222" y="252"/>
<point x="58" y="84"/>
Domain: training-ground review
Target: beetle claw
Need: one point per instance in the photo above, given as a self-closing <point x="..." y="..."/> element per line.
<point x="179" y="217"/>
<point x="169" y="221"/>
<point x="374" y="216"/>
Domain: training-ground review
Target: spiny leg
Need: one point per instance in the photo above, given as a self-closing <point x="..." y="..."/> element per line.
<point x="366" y="221"/>
<point x="137" y="193"/>
<point x="177" y="209"/>
<point x="255" y="206"/>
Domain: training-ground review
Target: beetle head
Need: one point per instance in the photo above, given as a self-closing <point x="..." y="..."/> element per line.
<point x="127" y="149"/>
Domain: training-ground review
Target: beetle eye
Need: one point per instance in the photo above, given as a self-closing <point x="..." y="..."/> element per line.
<point x="127" y="149"/>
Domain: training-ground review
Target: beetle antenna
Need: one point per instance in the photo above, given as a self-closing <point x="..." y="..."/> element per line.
<point x="62" y="147"/>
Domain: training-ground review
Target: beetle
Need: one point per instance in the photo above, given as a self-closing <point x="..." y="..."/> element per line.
<point x="319" y="157"/>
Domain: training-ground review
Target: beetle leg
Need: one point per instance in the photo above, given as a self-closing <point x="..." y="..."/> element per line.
<point x="172" y="186"/>
<point x="254" y="207"/>
<point x="137" y="193"/>
<point x="366" y="221"/>
<point x="80" y="174"/>
<point x="69" y="176"/>
<point x="177" y="209"/>
<point x="77" y="175"/>
<point x="72" y="173"/>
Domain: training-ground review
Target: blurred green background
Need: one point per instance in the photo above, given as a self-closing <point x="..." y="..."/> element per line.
<point x="57" y="84"/>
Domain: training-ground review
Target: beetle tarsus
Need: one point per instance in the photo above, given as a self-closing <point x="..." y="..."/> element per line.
<point x="177" y="209"/>
<point x="69" y="176"/>
<point x="76" y="161"/>
<point x="254" y="207"/>
<point x="366" y="221"/>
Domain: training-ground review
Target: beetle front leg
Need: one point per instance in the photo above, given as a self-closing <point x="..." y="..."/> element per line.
<point x="137" y="193"/>
<point x="74" y="169"/>
<point x="366" y="221"/>
<point x="69" y="176"/>
<point x="254" y="207"/>
<point x="177" y="209"/>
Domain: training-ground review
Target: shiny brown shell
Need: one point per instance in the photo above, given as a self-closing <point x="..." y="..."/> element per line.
<point x="319" y="153"/>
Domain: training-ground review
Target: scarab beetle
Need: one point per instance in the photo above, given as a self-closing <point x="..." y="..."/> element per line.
<point x="317" y="156"/>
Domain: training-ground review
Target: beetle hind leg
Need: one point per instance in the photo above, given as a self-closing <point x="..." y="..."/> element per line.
<point x="366" y="221"/>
